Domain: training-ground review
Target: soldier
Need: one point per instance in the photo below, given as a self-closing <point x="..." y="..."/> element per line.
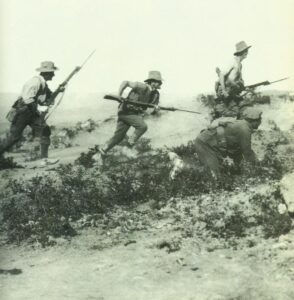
<point x="229" y="86"/>
<point x="132" y="115"/>
<point x="30" y="109"/>
<point x="231" y="138"/>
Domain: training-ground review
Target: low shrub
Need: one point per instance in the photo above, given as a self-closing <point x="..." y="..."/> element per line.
<point x="44" y="205"/>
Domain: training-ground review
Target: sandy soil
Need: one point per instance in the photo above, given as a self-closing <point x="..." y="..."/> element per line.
<point x="136" y="268"/>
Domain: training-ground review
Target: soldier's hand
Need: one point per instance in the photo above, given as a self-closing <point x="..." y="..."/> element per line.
<point x="225" y="94"/>
<point x="249" y="90"/>
<point x="156" y="108"/>
<point x="43" y="108"/>
<point x="124" y="100"/>
<point x="62" y="88"/>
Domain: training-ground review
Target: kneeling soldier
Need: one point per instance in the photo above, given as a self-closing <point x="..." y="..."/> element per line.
<point x="232" y="139"/>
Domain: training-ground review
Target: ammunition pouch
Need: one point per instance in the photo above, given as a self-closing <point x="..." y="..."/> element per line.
<point x="16" y="108"/>
<point x="219" y="127"/>
<point x="11" y="114"/>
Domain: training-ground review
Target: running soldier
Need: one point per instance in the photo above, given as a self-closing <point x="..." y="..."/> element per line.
<point x="130" y="115"/>
<point x="30" y="109"/>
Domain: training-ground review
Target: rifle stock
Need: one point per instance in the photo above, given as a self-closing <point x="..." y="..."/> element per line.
<point x="145" y="105"/>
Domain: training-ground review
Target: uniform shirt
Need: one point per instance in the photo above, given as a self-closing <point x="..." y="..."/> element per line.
<point x="140" y="93"/>
<point x="234" y="72"/>
<point x="35" y="90"/>
<point x="237" y="137"/>
<point x="232" y="77"/>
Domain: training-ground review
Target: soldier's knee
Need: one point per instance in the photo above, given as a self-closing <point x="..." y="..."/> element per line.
<point x="144" y="127"/>
<point x="14" y="137"/>
<point x="46" y="131"/>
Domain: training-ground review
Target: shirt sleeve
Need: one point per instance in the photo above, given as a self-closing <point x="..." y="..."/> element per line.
<point x="30" y="90"/>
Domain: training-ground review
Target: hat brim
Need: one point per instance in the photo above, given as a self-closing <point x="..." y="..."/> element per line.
<point x="153" y="79"/>
<point x="47" y="70"/>
<point x="243" y="50"/>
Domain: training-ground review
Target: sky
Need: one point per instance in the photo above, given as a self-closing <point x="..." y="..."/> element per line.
<point x="184" y="39"/>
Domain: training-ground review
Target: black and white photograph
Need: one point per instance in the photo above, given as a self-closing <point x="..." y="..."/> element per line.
<point x="147" y="150"/>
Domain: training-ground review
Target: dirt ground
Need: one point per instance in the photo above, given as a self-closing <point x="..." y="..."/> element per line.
<point x="136" y="268"/>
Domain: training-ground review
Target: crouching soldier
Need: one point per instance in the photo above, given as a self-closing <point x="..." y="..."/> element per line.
<point x="130" y="115"/>
<point x="232" y="139"/>
<point x="30" y="110"/>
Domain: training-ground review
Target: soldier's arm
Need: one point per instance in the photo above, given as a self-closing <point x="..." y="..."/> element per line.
<point x="222" y="81"/>
<point x="155" y="99"/>
<point x="126" y="84"/>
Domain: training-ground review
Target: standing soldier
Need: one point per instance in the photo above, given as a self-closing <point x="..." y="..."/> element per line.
<point x="30" y="110"/>
<point x="231" y="138"/>
<point x="132" y="115"/>
<point x="229" y="86"/>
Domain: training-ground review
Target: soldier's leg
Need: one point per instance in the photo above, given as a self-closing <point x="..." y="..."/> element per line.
<point x="42" y="132"/>
<point x="120" y="132"/>
<point x="45" y="141"/>
<point x="237" y="158"/>
<point x="209" y="158"/>
<point x="15" y="132"/>
<point x="140" y="127"/>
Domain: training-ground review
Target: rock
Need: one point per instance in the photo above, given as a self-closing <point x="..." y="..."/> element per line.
<point x="287" y="190"/>
<point x="210" y="249"/>
<point x="282" y="208"/>
<point x="171" y="245"/>
<point x="11" y="271"/>
<point x="177" y="164"/>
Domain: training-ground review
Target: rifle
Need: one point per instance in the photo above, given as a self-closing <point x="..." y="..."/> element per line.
<point x="62" y="86"/>
<point x="253" y="86"/>
<point x="146" y="105"/>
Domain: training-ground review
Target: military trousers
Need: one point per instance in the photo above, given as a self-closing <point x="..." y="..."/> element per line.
<point x="210" y="157"/>
<point x="124" y="122"/>
<point x="39" y="127"/>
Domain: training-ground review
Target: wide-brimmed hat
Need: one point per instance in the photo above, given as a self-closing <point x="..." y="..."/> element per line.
<point x="241" y="47"/>
<point x="252" y="113"/>
<point x="154" y="75"/>
<point x="47" y="66"/>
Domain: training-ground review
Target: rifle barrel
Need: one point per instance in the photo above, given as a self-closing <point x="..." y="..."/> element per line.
<point x="88" y="58"/>
<point x="116" y="98"/>
<point x="189" y="111"/>
<point x="279" y="80"/>
<point x="265" y="83"/>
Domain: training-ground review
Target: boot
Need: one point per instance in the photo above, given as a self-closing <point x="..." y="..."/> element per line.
<point x="44" y="150"/>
